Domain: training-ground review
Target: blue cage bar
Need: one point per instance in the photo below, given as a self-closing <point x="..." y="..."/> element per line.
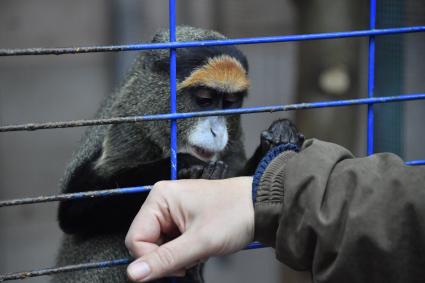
<point x="173" y="91"/>
<point x="235" y="41"/>
<point x="186" y="115"/>
<point x="371" y="78"/>
<point x="172" y="45"/>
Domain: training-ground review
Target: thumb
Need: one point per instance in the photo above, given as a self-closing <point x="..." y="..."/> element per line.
<point x="166" y="259"/>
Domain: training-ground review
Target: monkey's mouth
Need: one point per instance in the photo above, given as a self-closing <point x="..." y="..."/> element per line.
<point x="202" y="153"/>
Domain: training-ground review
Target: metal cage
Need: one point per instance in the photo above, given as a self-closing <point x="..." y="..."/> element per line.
<point x="172" y="45"/>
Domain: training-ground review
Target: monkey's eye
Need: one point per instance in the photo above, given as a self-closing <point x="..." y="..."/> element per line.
<point x="204" y="102"/>
<point x="232" y="100"/>
<point x="204" y="97"/>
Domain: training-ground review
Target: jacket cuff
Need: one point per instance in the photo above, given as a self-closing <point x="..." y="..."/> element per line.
<point x="265" y="161"/>
<point x="269" y="193"/>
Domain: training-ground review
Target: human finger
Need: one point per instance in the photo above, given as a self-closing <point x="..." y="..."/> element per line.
<point x="167" y="259"/>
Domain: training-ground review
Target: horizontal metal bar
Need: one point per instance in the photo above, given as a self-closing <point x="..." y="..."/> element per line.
<point x="103" y="193"/>
<point x="74" y="196"/>
<point x="236" y="41"/>
<point x="85" y="266"/>
<point x="415" y="162"/>
<point x="68" y="268"/>
<point x="255" y="245"/>
<point x="246" y="110"/>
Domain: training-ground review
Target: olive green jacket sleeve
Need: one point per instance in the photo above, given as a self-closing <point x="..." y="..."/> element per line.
<point x="346" y="219"/>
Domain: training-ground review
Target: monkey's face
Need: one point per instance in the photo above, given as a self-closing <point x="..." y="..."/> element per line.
<point x="219" y="84"/>
<point x="207" y="137"/>
<point x="209" y="78"/>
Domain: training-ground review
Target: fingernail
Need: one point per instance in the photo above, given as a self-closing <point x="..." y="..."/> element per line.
<point x="138" y="270"/>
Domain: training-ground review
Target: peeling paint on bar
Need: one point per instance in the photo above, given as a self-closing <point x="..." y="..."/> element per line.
<point x="236" y="41"/>
<point x="247" y="110"/>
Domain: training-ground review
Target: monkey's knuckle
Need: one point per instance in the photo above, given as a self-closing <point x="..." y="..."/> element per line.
<point x="266" y="135"/>
<point x="284" y="122"/>
<point x="197" y="168"/>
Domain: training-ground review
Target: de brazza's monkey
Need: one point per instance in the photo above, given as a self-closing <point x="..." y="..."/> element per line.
<point x="135" y="154"/>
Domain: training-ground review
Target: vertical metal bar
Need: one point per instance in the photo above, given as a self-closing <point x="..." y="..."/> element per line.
<point x="173" y="98"/>
<point x="371" y="79"/>
<point x="173" y="95"/>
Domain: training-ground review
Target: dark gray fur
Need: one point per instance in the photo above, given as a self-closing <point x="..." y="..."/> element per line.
<point x="144" y="91"/>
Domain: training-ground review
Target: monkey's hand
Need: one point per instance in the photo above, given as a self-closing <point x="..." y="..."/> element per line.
<point x="212" y="170"/>
<point x="280" y="132"/>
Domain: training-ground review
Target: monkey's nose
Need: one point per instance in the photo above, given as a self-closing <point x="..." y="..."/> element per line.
<point x="213" y="133"/>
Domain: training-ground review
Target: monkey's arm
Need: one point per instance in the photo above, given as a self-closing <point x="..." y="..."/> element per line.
<point x="108" y="214"/>
<point x="280" y="131"/>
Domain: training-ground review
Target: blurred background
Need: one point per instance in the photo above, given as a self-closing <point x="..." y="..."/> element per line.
<point x="50" y="88"/>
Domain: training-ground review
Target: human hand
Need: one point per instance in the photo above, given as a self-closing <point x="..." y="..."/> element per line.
<point x="184" y="222"/>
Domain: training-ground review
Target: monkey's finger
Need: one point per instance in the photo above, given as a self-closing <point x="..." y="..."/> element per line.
<point x="266" y="135"/>
<point x="216" y="169"/>
<point x="266" y="146"/>
<point x="167" y="259"/>
<point x="291" y="135"/>
<point x="266" y="138"/>
<point x="208" y="170"/>
<point x="224" y="171"/>
<point x="279" y="139"/>
<point x="301" y="139"/>
<point x="183" y="174"/>
<point x="196" y="171"/>
<point x="220" y="170"/>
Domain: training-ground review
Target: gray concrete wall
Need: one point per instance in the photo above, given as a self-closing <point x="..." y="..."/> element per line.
<point x="44" y="88"/>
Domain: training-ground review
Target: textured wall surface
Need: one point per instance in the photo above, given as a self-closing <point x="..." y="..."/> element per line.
<point x="44" y="88"/>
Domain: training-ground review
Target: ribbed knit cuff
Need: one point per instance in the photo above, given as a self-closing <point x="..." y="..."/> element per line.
<point x="265" y="161"/>
<point x="268" y="193"/>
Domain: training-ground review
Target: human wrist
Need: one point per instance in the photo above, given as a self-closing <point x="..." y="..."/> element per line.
<point x="241" y="193"/>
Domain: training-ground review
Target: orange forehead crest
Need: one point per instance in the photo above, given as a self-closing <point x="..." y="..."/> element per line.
<point x="223" y="73"/>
